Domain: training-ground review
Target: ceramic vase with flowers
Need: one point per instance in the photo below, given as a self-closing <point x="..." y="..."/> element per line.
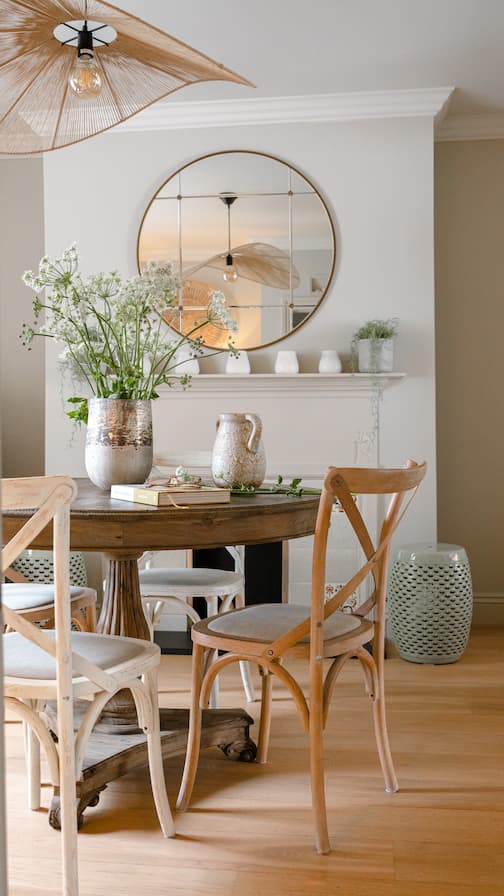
<point x="118" y="347"/>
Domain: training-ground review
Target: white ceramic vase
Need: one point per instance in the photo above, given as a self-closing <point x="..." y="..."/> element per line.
<point x="375" y="355"/>
<point x="240" y="364"/>
<point x="186" y="363"/>
<point x="330" y="361"/>
<point x="286" y="362"/>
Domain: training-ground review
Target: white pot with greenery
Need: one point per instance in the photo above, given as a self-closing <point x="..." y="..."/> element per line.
<point x="373" y="346"/>
<point x="118" y="348"/>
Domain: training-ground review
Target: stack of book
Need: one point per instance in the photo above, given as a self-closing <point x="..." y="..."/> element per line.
<point x="171" y="495"/>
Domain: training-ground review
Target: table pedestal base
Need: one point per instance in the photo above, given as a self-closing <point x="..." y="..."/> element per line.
<point x="108" y="756"/>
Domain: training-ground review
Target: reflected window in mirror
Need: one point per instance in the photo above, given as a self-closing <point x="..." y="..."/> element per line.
<point x="251" y="226"/>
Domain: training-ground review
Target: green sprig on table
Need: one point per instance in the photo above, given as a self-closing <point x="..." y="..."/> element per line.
<point x="278" y="488"/>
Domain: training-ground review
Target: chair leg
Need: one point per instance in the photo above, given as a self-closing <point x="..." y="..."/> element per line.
<point x="380" y="720"/>
<point x="317" y="775"/>
<point x="90" y="617"/>
<point x="33" y="761"/>
<point x="248" y="684"/>
<point x="382" y="742"/>
<point x="156" y="759"/>
<point x="214" y="693"/>
<point x="265" y="720"/>
<point x="32" y="754"/>
<point x="194" y="737"/>
<point x="213" y="609"/>
<point x="153" y="610"/>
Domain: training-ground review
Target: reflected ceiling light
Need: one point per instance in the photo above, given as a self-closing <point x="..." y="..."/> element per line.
<point x="70" y="69"/>
<point x="230" y="274"/>
<point x="260" y="262"/>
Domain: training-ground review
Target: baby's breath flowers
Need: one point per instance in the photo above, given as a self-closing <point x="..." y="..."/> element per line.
<point x="112" y="330"/>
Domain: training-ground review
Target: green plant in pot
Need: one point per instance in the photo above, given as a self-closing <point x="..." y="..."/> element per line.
<point x="373" y="346"/>
<point x="118" y="349"/>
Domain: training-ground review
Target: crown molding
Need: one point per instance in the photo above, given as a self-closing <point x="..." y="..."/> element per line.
<point x="472" y="127"/>
<point x="168" y="115"/>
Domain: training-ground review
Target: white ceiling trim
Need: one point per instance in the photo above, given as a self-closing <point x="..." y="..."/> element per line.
<point x="472" y="127"/>
<point x="169" y="115"/>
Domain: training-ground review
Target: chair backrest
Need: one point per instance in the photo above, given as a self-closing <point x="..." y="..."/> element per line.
<point x="343" y="484"/>
<point x="48" y="498"/>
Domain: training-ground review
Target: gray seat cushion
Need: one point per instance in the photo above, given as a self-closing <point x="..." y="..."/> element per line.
<point x="23" y="659"/>
<point x="267" y="622"/>
<point x="31" y="596"/>
<point x="193" y="579"/>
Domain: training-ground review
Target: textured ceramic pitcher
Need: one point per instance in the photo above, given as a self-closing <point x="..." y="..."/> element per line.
<point x="238" y="456"/>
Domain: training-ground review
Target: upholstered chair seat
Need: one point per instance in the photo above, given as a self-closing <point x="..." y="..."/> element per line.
<point x="267" y="622"/>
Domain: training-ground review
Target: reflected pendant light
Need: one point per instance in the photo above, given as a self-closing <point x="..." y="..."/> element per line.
<point x="230" y="274"/>
<point x="260" y="262"/>
<point x="70" y="69"/>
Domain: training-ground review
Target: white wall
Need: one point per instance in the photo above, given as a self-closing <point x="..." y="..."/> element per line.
<point x="22" y="371"/>
<point x="377" y="178"/>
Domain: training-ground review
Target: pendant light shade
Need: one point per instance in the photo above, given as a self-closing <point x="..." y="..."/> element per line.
<point x="260" y="262"/>
<point x="53" y="93"/>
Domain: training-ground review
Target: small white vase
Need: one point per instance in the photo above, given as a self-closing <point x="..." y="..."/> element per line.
<point x="186" y="363"/>
<point x="286" y="362"/>
<point x="240" y="364"/>
<point x="330" y="361"/>
<point x="376" y="355"/>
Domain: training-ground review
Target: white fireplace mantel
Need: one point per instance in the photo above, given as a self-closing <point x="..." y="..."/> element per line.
<point x="298" y="385"/>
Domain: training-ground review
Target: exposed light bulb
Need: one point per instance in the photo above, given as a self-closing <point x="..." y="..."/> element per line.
<point x="85" y="79"/>
<point x="230" y="275"/>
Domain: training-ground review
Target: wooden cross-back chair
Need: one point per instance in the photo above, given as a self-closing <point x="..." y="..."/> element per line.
<point x="41" y="666"/>
<point x="35" y="601"/>
<point x="266" y="634"/>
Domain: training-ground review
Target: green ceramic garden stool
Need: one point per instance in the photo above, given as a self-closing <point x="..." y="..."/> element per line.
<point x="430" y="602"/>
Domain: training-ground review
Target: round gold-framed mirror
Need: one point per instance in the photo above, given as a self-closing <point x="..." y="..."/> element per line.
<point x="248" y="224"/>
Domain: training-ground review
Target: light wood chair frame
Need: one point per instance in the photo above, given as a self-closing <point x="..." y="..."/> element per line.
<point x="82" y="607"/>
<point x="307" y="638"/>
<point x="75" y="675"/>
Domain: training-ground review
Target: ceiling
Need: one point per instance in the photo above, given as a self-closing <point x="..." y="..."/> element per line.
<point x="333" y="46"/>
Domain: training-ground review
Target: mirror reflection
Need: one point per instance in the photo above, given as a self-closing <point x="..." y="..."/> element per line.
<point x="247" y="224"/>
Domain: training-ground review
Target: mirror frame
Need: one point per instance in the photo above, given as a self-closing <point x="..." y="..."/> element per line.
<point x="297" y="171"/>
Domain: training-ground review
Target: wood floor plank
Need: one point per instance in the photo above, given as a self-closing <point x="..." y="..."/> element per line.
<point x="249" y="830"/>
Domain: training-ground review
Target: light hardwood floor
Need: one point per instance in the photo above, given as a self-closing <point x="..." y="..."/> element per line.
<point x="249" y="830"/>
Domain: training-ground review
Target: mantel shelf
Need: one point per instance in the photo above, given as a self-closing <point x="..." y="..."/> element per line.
<point x="275" y="384"/>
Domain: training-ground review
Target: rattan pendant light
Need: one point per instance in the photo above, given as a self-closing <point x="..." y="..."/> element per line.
<point x="115" y="71"/>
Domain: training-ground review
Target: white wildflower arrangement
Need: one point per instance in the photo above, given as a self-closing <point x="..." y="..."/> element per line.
<point x="113" y="330"/>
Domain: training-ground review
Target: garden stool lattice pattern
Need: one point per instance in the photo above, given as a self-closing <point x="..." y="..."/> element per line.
<point x="430" y="602"/>
<point x="38" y="566"/>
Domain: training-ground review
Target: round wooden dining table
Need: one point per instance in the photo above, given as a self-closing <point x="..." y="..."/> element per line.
<point x="122" y="531"/>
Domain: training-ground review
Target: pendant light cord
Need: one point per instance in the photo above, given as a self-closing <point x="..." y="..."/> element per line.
<point x="229" y="228"/>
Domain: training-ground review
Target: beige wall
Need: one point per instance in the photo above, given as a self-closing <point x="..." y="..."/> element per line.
<point x="469" y="228"/>
<point x="22" y="372"/>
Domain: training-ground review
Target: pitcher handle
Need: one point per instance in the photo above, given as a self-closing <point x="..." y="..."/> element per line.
<point x="255" y="436"/>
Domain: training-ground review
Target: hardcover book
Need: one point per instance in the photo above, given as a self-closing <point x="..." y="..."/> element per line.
<point x="174" y="495"/>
